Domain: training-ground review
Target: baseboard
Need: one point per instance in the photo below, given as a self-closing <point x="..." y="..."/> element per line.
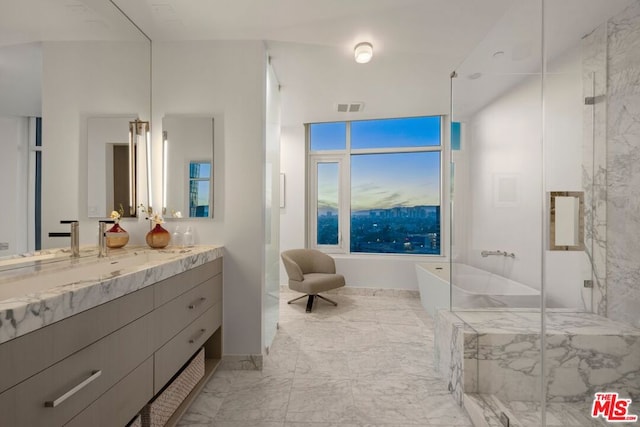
<point x="241" y="362"/>
<point x="368" y="292"/>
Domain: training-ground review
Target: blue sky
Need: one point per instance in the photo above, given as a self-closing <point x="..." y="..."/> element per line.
<point x="382" y="181"/>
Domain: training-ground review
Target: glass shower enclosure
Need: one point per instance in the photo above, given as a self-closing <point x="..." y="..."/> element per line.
<point x="544" y="254"/>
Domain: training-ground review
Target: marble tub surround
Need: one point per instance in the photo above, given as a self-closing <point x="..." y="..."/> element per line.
<point x="585" y="353"/>
<point x="39" y="295"/>
<point x="485" y="410"/>
<point x="452" y="339"/>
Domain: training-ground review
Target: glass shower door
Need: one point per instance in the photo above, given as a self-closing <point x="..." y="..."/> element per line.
<point x="496" y="207"/>
<point x="591" y="115"/>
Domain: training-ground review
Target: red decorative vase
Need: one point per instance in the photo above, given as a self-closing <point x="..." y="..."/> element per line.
<point x="158" y="237"/>
<point x="116" y="237"/>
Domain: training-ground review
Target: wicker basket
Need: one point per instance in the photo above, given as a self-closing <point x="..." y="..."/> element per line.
<point x="158" y="412"/>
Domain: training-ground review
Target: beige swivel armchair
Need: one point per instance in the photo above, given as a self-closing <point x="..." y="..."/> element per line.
<point x="311" y="271"/>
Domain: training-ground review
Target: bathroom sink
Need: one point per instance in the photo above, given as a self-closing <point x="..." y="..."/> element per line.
<point x="49" y="289"/>
<point x="42" y="257"/>
<point x="72" y="273"/>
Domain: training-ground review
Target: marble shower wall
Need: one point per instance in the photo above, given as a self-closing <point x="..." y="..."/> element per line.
<point x="611" y="164"/>
<point x="623" y="166"/>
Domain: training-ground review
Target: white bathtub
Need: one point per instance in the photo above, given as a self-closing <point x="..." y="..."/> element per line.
<point x="472" y="288"/>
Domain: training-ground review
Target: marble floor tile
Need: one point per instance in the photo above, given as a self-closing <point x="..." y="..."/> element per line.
<point x="322" y="364"/>
<point x="362" y="336"/>
<point x="366" y="363"/>
<point x="374" y="362"/>
<point x="263" y="399"/>
<point x="320" y="400"/>
<point x="389" y="401"/>
<point x="442" y="410"/>
<point x="204" y="409"/>
<point x="397" y="317"/>
<point x="352" y="314"/>
<point x="407" y="334"/>
<point x="246" y="424"/>
<point x="321" y="424"/>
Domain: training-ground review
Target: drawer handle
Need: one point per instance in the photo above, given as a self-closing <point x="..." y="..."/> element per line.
<point x="197" y="303"/>
<point x="83" y="384"/>
<point x="197" y="337"/>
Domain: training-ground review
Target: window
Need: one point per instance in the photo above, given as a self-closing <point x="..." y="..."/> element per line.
<point x="376" y="185"/>
<point x="199" y="189"/>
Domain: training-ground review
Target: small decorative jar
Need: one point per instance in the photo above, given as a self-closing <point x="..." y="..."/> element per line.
<point x="158" y="237"/>
<point x="176" y="237"/>
<point x="116" y="237"/>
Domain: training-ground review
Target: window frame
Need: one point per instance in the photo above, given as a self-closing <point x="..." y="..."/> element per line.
<point x="189" y="180"/>
<point x="344" y="191"/>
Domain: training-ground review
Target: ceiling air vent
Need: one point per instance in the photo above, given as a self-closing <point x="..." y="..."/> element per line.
<point x="352" y="107"/>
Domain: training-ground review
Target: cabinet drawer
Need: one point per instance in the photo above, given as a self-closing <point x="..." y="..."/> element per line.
<point x="175" y="315"/>
<point x="174" y="354"/>
<point x="24" y="356"/>
<point x="118" y="405"/>
<point x="168" y="289"/>
<point x="57" y="394"/>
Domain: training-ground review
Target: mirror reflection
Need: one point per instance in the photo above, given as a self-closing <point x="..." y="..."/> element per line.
<point x="111" y="179"/>
<point x="67" y="63"/>
<point x="187" y="166"/>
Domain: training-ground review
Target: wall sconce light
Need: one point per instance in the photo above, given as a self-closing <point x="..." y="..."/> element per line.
<point x="363" y="52"/>
<point x="165" y="170"/>
<point x="138" y="134"/>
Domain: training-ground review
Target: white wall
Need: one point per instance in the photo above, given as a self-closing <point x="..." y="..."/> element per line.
<point x="292" y="216"/>
<point x="13" y="191"/>
<point x="505" y="142"/>
<point x="81" y="80"/>
<point x="21" y="82"/>
<point x="224" y="80"/>
<point x="20" y="89"/>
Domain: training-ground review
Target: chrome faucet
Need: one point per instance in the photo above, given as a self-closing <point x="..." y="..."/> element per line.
<point x="75" y="236"/>
<point x="102" y="237"/>
<point x="485" y="253"/>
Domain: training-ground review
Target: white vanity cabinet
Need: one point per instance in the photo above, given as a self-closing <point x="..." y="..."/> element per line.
<point x="101" y="366"/>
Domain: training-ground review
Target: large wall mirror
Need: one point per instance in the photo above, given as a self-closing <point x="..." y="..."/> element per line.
<point x="62" y="64"/>
<point x="188" y="166"/>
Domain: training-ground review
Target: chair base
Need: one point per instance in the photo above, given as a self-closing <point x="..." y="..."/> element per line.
<point x="311" y="300"/>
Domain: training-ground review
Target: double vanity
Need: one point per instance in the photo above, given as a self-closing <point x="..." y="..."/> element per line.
<point x="91" y="341"/>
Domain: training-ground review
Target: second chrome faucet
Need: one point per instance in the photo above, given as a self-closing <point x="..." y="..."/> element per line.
<point x="102" y="236"/>
<point x="75" y="236"/>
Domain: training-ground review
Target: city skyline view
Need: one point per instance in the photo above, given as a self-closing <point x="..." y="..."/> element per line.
<point x="383" y="181"/>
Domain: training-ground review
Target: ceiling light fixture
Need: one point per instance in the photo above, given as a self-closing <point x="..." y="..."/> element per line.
<point x="363" y="52"/>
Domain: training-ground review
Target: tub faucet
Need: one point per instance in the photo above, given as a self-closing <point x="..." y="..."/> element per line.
<point x="486" y="253"/>
<point x="75" y="236"/>
<point x="102" y="236"/>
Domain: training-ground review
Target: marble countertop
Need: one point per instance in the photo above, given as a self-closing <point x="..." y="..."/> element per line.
<point x="40" y="293"/>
